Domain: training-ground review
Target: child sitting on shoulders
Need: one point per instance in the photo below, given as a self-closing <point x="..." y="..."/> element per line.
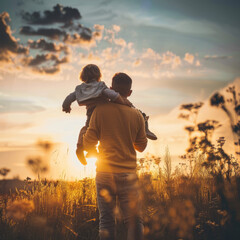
<point x="90" y="93"/>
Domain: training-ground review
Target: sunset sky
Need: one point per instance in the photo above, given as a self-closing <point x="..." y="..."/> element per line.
<point x="176" y="51"/>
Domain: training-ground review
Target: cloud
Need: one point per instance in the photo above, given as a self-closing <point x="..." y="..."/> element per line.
<point x="12" y="104"/>
<point x="198" y="64"/>
<point x="151" y="54"/>
<point x="131" y="48"/>
<point x="91" y="57"/>
<point x="98" y="33"/>
<point x="167" y="74"/>
<point x="110" y="33"/>
<point x="116" y="28"/>
<point x="53" y="33"/>
<point x="9" y="46"/>
<point x="47" y="46"/>
<point x="189" y="58"/>
<point x="121" y="42"/>
<point x="137" y="62"/>
<point x="70" y="33"/>
<point x="59" y="14"/>
<point x="99" y="27"/>
<point x="215" y="57"/>
<point x="84" y="37"/>
<point x="109" y="54"/>
<point x="172" y="59"/>
<point x="45" y="63"/>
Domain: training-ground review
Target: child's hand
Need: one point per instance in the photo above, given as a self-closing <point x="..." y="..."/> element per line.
<point x="127" y="102"/>
<point x="66" y="110"/>
<point x="123" y="101"/>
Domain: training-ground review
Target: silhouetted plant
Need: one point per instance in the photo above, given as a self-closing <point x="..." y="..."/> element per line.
<point x="194" y="140"/>
<point x="4" y="171"/>
<point x="222" y="166"/>
<point x="232" y="111"/>
<point x="167" y="165"/>
<point x="40" y="165"/>
<point x="37" y="165"/>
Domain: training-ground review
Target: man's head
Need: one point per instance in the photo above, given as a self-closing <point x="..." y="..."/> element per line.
<point x="122" y="84"/>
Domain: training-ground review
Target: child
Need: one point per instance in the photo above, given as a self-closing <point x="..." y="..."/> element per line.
<point x="90" y="93"/>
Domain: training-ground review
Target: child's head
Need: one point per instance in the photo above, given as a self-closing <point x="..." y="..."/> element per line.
<point x="89" y="73"/>
<point x="122" y="83"/>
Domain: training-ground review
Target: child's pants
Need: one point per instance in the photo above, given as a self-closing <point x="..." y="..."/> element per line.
<point x="84" y="129"/>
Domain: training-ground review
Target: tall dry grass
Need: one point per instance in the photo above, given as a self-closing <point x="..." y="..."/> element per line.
<point x="175" y="206"/>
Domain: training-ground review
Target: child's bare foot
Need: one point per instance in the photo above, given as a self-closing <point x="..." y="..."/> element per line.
<point x="81" y="157"/>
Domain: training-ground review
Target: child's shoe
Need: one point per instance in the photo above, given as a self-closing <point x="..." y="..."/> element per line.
<point x="149" y="134"/>
<point x="80" y="155"/>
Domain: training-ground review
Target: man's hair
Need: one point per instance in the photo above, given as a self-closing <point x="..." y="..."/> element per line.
<point x="90" y="72"/>
<point x="122" y="83"/>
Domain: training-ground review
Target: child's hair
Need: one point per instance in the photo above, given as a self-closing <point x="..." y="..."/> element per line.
<point x="122" y="83"/>
<point x="90" y="73"/>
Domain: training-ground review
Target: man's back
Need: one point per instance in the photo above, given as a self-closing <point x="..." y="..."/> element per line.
<point x="120" y="130"/>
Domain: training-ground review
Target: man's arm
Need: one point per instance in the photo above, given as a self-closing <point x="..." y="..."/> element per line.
<point x="91" y="137"/>
<point x="141" y="139"/>
<point x="66" y="106"/>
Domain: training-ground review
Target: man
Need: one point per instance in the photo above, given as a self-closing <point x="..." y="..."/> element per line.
<point x="120" y="130"/>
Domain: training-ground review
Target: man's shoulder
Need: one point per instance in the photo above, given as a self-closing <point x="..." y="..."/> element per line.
<point x="110" y="106"/>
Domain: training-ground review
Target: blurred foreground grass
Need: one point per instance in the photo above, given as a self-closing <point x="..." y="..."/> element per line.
<point x="178" y="207"/>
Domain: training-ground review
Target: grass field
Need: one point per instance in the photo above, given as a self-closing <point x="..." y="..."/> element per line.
<point x="175" y="207"/>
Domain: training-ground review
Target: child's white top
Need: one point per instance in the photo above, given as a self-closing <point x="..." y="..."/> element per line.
<point x="88" y="91"/>
<point x="93" y="89"/>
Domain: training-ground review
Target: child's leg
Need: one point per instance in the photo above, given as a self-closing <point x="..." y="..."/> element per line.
<point x="92" y="152"/>
<point x="80" y="149"/>
<point x="149" y="134"/>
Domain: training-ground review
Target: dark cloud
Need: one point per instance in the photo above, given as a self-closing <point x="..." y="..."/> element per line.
<point x="83" y="34"/>
<point x="9" y="46"/>
<point x="86" y="33"/>
<point x="47" y="46"/>
<point x="53" y="33"/>
<point x="70" y="33"/>
<point x="59" y="14"/>
<point x="45" y="63"/>
<point x="78" y="38"/>
<point x="70" y="26"/>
